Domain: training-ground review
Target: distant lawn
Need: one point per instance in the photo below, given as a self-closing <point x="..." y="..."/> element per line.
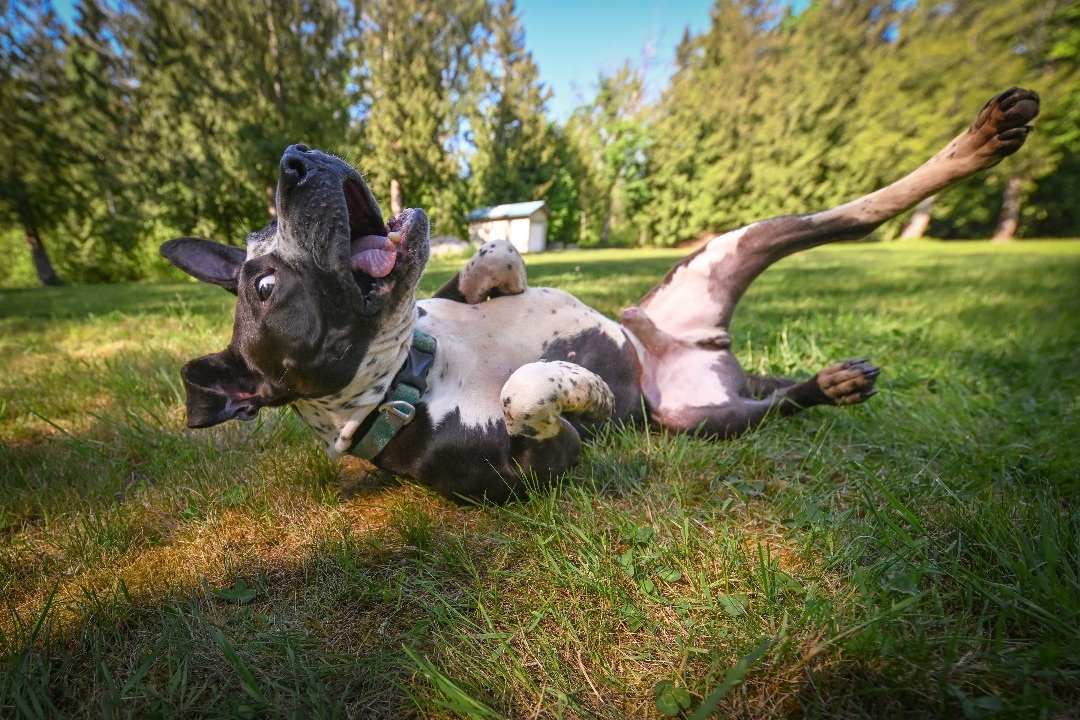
<point x="916" y="556"/>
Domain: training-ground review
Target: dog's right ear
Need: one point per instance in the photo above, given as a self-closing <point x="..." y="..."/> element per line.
<point x="220" y="387"/>
<point x="206" y="260"/>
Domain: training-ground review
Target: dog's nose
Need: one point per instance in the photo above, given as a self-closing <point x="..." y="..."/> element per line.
<point x="295" y="166"/>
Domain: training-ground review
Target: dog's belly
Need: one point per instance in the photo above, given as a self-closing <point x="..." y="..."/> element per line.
<point x="480" y="346"/>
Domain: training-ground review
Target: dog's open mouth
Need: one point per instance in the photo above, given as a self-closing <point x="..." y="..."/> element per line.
<point x="375" y="248"/>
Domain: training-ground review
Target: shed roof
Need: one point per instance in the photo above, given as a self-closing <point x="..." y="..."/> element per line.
<point x="506" y="212"/>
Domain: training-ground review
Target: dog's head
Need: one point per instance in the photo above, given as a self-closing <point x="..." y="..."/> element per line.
<point x="315" y="291"/>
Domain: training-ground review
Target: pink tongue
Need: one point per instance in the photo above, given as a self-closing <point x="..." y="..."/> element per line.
<point x="374" y="255"/>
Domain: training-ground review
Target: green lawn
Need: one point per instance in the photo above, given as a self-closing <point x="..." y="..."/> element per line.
<point x="915" y="556"/>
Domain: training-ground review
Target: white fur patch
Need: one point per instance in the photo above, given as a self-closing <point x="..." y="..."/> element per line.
<point x="259" y="246"/>
<point x="480" y="346"/>
<point x="690" y="378"/>
<point x="336" y="417"/>
<point x="495" y="266"/>
<point x="683" y="307"/>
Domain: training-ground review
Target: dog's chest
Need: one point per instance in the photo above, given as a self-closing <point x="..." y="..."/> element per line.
<point x="480" y="346"/>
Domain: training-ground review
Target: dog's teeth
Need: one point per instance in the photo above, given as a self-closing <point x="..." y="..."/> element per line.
<point x="394" y="237"/>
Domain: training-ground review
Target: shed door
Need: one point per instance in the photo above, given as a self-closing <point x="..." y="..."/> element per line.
<point x="538" y="235"/>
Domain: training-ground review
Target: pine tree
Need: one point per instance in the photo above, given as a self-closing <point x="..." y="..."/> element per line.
<point x="703" y="160"/>
<point x="416" y="58"/>
<point x="34" y="189"/>
<point x="612" y="140"/>
<point x="221" y="89"/>
<point x="515" y="156"/>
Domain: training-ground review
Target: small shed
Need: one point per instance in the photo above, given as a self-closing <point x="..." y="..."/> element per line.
<point x="523" y="224"/>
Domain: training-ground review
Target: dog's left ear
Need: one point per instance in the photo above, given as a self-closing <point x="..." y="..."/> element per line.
<point x="206" y="260"/>
<point x="220" y="387"/>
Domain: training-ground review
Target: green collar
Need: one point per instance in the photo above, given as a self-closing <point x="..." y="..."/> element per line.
<point x="399" y="405"/>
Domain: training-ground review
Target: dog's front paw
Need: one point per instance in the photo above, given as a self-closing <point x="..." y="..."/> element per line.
<point x="537" y="395"/>
<point x="495" y="270"/>
<point x="849" y="382"/>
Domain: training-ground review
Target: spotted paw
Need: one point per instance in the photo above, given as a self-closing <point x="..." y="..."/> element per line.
<point x="538" y="394"/>
<point x="849" y="382"/>
<point x="495" y="270"/>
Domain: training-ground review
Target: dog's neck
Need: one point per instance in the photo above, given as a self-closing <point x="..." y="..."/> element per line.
<point x="335" y="418"/>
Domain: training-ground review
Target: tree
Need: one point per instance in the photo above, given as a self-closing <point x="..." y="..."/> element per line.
<point x="1053" y="206"/>
<point x="948" y="58"/>
<point x="265" y="75"/>
<point x="416" y="61"/>
<point x="34" y="191"/>
<point x="515" y="156"/>
<point x="702" y="121"/>
<point x="612" y="140"/>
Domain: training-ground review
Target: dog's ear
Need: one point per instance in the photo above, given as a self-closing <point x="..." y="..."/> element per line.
<point x="220" y="387"/>
<point x="206" y="260"/>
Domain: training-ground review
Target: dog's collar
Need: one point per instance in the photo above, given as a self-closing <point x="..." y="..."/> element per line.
<point x="399" y="404"/>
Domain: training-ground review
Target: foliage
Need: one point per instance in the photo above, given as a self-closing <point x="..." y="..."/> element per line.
<point x="611" y="140"/>
<point x="913" y="557"/>
<point x="264" y="75"/>
<point x="824" y="106"/>
<point x="44" y="168"/>
<point x="515" y="145"/>
<point x="417" y="58"/>
<point x="139" y="120"/>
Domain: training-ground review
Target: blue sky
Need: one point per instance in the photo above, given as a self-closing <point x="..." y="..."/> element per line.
<point x="573" y="41"/>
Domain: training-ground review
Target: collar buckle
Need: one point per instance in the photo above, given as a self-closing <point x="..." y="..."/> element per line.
<point x="399" y="412"/>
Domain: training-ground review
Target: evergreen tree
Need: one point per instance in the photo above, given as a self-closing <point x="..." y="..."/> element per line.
<point x="264" y="75"/>
<point x="1053" y="204"/>
<point x="416" y="59"/>
<point x="515" y="157"/>
<point x="612" y="140"/>
<point x="703" y="122"/>
<point x="946" y="60"/>
<point x="35" y="192"/>
<point x="563" y="197"/>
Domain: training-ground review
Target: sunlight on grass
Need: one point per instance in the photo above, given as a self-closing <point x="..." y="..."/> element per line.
<point x="919" y="555"/>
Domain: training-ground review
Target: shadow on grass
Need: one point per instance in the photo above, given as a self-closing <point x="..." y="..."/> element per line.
<point x="214" y="652"/>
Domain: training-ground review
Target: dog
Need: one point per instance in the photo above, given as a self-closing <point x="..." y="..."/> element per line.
<point x="487" y="388"/>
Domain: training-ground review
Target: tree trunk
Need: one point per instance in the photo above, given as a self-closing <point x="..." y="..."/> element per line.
<point x="1010" y="212"/>
<point x="605" y="227"/>
<point x="920" y="220"/>
<point x="275" y="57"/>
<point x="42" y="264"/>
<point x="395" y="197"/>
<point x="271" y="201"/>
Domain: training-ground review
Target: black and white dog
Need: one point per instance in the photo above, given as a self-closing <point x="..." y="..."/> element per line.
<point x="490" y="382"/>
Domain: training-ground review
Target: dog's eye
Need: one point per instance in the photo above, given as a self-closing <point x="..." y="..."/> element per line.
<point x="265" y="287"/>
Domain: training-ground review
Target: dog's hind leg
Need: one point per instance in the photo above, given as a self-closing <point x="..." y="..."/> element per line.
<point x="689" y="387"/>
<point x="697" y="298"/>
<point x="496" y="269"/>
<point x="690" y="378"/>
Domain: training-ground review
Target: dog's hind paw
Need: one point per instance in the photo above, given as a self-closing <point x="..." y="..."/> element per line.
<point x="848" y="383"/>
<point x="1000" y="129"/>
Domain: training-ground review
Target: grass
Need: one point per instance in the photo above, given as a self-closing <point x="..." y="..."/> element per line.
<point x="916" y="556"/>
